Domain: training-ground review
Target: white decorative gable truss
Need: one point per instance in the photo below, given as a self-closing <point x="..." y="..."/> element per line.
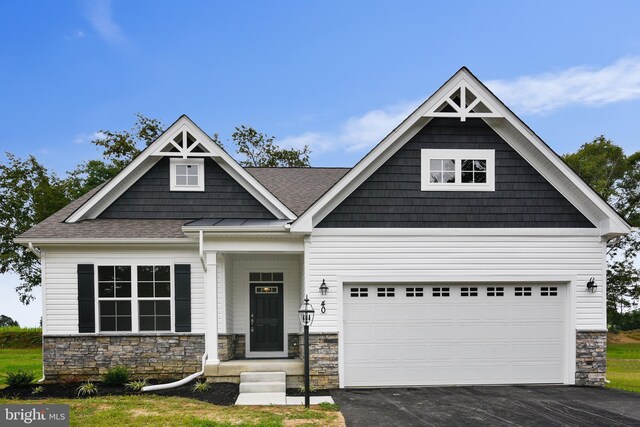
<point x="462" y="102"/>
<point x="183" y="139"/>
<point x="463" y="96"/>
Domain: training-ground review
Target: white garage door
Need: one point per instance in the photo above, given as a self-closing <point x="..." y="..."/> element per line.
<point x="398" y="335"/>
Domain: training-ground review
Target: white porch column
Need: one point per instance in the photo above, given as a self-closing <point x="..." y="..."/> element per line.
<point x="211" y="309"/>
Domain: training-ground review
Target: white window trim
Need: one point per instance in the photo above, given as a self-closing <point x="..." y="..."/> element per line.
<point x="458" y="156"/>
<point x="134" y="299"/>
<point x="173" y="162"/>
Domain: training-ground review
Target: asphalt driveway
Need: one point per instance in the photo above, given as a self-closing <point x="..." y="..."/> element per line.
<point x="495" y="406"/>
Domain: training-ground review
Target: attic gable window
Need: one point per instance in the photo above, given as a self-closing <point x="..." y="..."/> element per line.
<point x="457" y="170"/>
<point x="187" y="174"/>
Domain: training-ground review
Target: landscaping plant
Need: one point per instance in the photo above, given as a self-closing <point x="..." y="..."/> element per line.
<point x="20" y="378"/>
<point x="200" y="387"/>
<point x="87" y="389"/>
<point x="116" y="376"/>
<point x="137" y="385"/>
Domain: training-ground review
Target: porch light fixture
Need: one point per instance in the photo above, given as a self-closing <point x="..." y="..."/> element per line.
<point x="323" y="288"/>
<point x="591" y="285"/>
<point x="305" y="315"/>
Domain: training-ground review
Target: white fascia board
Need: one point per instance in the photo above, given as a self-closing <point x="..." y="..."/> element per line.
<point x="461" y="232"/>
<point x="412" y="125"/>
<point x="104" y="241"/>
<point x="150" y="156"/>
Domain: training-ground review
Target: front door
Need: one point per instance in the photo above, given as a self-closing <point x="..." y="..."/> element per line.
<point x="266" y="315"/>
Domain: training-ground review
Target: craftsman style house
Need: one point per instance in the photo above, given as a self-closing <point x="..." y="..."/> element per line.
<point x="460" y="250"/>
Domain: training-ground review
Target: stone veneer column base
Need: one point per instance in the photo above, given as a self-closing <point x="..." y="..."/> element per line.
<point x="591" y="358"/>
<point x="323" y="359"/>
<point x="84" y="357"/>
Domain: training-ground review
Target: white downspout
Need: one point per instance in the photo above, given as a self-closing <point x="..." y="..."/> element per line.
<point x="35" y="250"/>
<point x="179" y="382"/>
<point x="201" y="250"/>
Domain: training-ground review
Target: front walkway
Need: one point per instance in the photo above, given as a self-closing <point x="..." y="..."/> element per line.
<point x="495" y="406"/>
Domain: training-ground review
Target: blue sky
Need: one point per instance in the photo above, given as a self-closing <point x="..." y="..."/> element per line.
<point x="335" y="75"/>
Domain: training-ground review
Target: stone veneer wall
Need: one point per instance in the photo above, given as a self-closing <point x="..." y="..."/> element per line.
<point x="591" y="358"/>
<point x="292" y="344"/>
<point x="82" y="357"/>
<point x="240" y="343"/>
<point x="226" y="347"/>
<point x="323" y="359"/>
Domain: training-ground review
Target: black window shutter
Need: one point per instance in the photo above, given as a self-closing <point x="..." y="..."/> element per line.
<point x="86" y="299"/>
<point x="183" y="297"/>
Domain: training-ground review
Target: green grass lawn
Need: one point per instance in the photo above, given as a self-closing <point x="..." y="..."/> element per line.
<point x="149" y="410"/>
<point x="13" y="359"/>
<point x="623" y="366"/>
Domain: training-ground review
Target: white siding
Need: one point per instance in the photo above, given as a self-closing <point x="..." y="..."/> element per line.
<point x="229" y="293"/>
<point x="60" y="290"/>
<point x="342" y="258"/>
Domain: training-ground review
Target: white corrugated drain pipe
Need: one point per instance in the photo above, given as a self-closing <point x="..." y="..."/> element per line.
<point x="179" y="382"/>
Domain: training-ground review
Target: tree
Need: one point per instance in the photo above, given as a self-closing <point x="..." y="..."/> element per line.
<point x="7" y="321"/>
<point x="29" y="193"/>
<point x="260" y="150"/>
<point x="616" y="177"/>
<point x="119" y="149"/>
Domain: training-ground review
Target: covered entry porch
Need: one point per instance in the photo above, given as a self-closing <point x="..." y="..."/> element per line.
<point x="253" y="289"/>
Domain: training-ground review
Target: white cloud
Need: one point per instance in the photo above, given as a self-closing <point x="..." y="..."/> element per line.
<point x="83" y="138"/>
<point x="542" y="93"/>
<point x="357" y="133"/>
<point x="99" y="15"/>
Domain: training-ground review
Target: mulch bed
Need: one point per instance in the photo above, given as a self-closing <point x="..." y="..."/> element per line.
<point x="218" y="393"/>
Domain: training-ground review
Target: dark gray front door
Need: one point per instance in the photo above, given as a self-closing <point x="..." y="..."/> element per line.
<point x="266" y="317"/>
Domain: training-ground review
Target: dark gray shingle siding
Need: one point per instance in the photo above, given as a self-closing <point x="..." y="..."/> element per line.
<point x="391" y="197"/>
<point x="151" y="198"/>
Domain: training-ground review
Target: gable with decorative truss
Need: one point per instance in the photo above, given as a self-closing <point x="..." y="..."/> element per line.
<point x="184" y="140"/>
<point x="462" y="102"/>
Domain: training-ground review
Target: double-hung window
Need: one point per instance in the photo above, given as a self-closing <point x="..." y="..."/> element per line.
<point x="114" y="298"/>
<point x="154" y="297"/>
<point x="458" y="170"/>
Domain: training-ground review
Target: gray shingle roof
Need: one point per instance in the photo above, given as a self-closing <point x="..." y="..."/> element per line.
<point x="297" y="188"/>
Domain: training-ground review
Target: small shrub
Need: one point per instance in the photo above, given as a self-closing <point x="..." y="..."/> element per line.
<point x="137" y="385"/>
<point x="37" y="390"/>
<point x="312" y="389"/>
<point x="331" y="407"/>
<point x="200" y="387"/>
<point x="87" y="389"/>
<point x="116" y="376"/>
<point x="20" y="378"/>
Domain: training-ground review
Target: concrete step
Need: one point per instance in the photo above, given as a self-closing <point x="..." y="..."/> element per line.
<point x="263" y="377"/>
<point x="263" y="387"/>
<point x="265" y="399"/>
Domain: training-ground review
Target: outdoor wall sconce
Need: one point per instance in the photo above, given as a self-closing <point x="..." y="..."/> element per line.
<point x="591" y="285"/>
<point x="323" y="309"/>
<point x="323" y="288"/>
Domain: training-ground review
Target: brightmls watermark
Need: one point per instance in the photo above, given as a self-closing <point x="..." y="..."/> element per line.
<point x="34" y="415"/>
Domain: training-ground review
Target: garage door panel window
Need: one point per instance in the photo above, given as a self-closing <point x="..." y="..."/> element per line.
<point x="549" y="291"/>
<point x="523" y="291"/>
<point x="414" y="292"/>
<point x="386" y="292"/>
<point x="495" y="291"/>
<point x="468" y="292"/>
<point x="440" y="292"/>
<point x="359" y="292"/>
